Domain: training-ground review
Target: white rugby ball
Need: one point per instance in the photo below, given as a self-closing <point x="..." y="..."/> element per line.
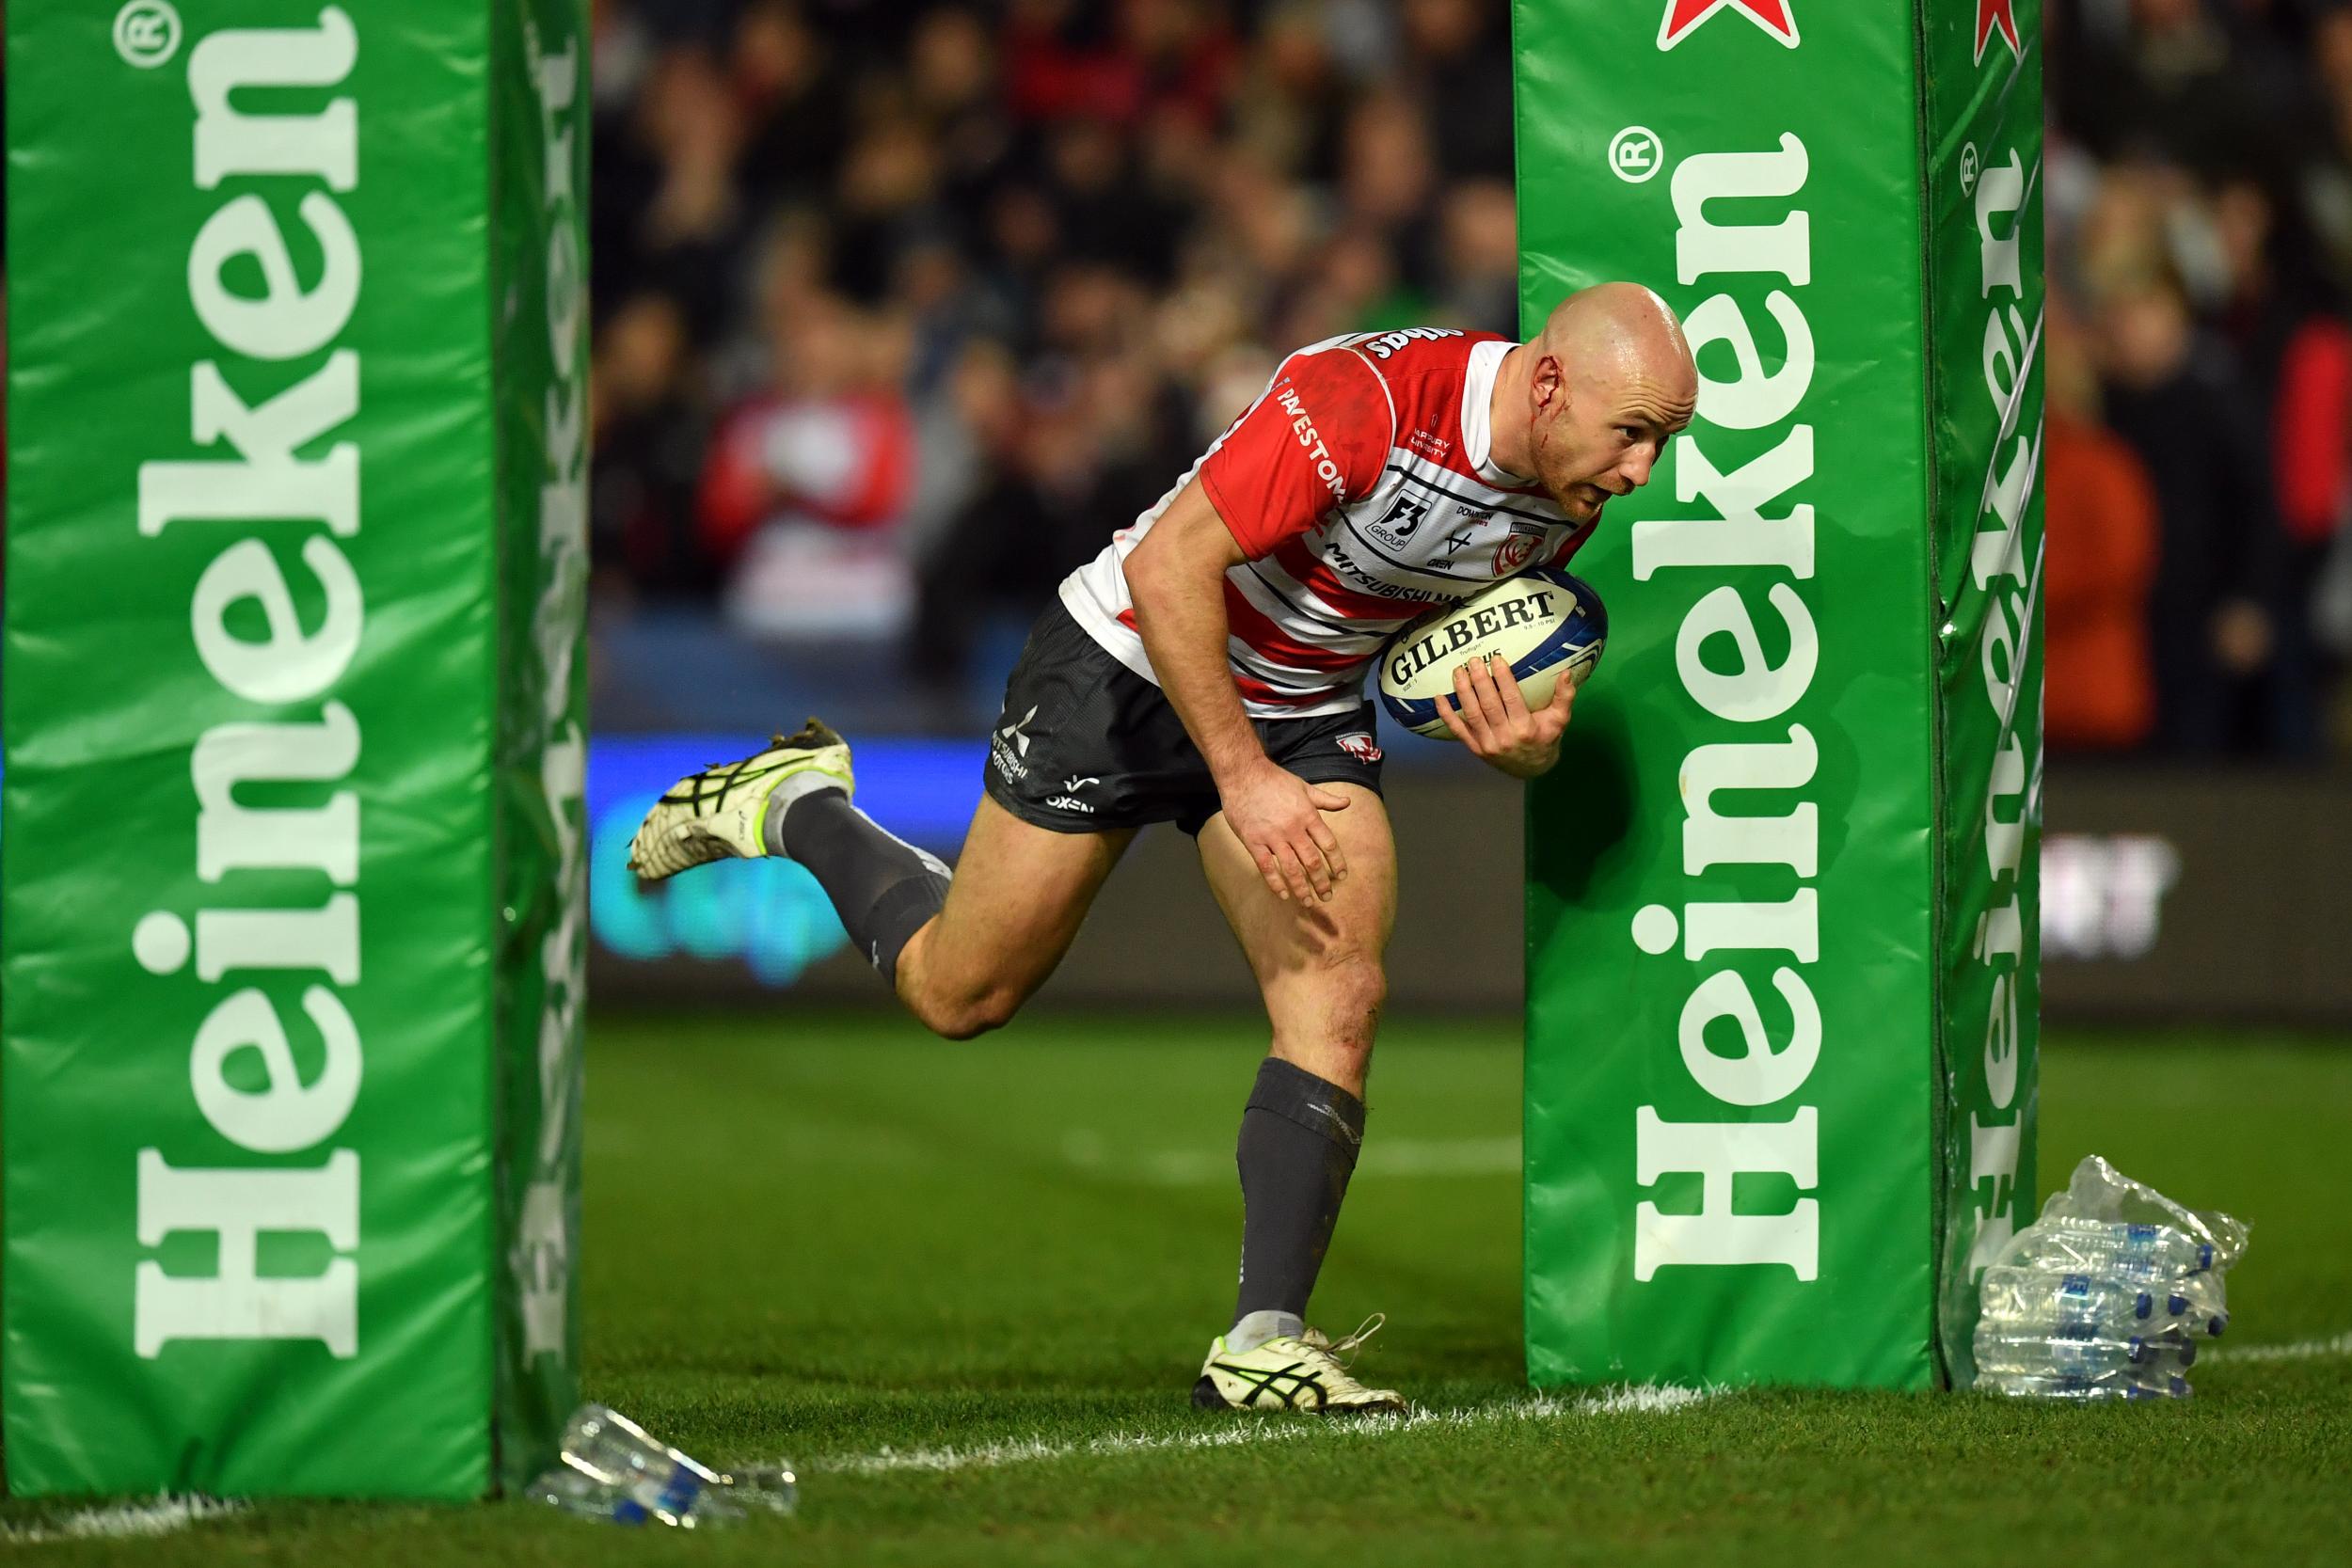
<point x="1544" y="624"/>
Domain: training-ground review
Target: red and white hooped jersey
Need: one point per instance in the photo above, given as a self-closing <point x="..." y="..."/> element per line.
<point x="1362" y="485"/>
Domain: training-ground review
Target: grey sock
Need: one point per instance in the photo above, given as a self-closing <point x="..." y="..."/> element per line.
<point x="1300" y="1135"/>
<point x="883" y="888"/>
<point x="1258" y="1327"/>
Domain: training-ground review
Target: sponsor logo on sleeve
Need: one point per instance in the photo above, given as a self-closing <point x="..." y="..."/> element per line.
<point x="1303" y="426"/>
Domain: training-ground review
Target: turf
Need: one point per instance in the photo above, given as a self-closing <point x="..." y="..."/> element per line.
<point x="999" y="1262"/>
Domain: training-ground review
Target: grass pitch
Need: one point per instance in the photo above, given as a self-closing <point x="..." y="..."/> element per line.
<point x="966" y="1289"/>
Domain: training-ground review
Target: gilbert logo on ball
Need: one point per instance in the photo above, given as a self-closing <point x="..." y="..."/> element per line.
<point x="1542" y="624"/>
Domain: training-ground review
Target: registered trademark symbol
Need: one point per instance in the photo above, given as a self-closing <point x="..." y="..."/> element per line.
<point x="1968" y="167"/>
<point x="147" y="33"/>
<point x="1635" y="153"/>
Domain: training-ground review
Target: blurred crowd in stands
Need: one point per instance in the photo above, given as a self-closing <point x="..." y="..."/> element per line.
<point x="902" y="308"/>
<point x="2199" y="202"/>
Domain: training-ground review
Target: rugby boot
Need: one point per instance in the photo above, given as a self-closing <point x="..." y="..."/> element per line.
<point x="1305" y="1372"/>
<point x="722" y="810"/>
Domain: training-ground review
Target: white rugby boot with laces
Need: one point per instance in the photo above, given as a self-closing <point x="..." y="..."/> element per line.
<point x="722" y="810"/>
<point x="1306" y="1372"/>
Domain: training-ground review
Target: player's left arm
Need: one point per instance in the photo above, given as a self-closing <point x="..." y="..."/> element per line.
<point x="1490" y="716"/>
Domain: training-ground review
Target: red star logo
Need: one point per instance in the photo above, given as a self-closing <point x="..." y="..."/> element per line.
<point x="2001" y="14"/>
<point x="1771" y="15"/>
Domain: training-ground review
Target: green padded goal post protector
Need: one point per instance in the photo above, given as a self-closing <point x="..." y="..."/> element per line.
<point x="1781" y="918"/>
<point x="292" y="911"/>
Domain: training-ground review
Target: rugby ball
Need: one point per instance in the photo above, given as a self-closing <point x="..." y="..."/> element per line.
<point x="1544" y="624"/>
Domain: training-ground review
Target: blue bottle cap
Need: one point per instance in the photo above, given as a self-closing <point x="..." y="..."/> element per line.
<point x="679" y="1493"/>
<point x="2144" y="1306"/>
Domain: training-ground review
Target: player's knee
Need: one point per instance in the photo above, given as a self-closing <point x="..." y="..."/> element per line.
<point x="1354" y="985"/>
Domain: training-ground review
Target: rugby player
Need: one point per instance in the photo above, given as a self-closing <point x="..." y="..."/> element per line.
<point x="1206" y="670"/>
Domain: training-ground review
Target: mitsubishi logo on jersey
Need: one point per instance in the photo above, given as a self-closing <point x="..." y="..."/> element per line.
<point x="1007" y="759"/>
<point x="1016" y="730"/>
<point x="1774" y="15"/>
<point x="1999" y="15"/>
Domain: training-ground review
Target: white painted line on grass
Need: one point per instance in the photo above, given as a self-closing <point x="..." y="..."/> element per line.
<point x="1645" y="1400"/>
<point x="2302" y="1350"/>
<point x="1202" y="1168"/>
<point x="121" y="1520"/>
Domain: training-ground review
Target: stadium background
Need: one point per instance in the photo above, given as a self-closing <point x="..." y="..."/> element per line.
<point x="902" y="309"/>
<point x="899" y="308"/>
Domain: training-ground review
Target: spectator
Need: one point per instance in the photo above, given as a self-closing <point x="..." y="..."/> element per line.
<point x="672" y="215"/>
<point x="649" y="439"/>
<point x="1461" y="53"/>
<point x="2177" y="401"/>
<point x="2167" y="80"/>
<point x="807" y="480"/>
<point x="795" y="102"/>
<point x="2098" y="565"/>
<point x="2287" y="321"/>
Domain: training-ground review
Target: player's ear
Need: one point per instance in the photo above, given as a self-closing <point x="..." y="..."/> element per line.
<point x="1548" y="389"/>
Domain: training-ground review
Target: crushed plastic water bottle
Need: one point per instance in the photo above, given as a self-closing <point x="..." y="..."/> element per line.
<point x="611" y="1469"/>
<point x="2066" y="1242"/>
<point x="2095" y="1357"/>
<point x="2107" y="1295"/>
<point x="2065" y="1305"/>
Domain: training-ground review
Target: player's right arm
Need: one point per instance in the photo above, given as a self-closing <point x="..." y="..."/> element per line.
<point x="1177" y="579"/>
<point x="1319" y="435"/>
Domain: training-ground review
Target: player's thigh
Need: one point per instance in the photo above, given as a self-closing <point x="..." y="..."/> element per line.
<point x="1018" y="897"/>
<point x="1318" y="964"/>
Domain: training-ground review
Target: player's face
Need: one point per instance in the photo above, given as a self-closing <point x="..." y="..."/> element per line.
<point x="1601" y="434"/>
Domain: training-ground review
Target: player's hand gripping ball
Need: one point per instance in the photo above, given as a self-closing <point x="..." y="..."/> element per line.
<point x="1544" y="625"/>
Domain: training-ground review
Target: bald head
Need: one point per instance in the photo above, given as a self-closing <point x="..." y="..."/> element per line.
<point x="1621" y="325"/>
<point x="1588" y="403"/>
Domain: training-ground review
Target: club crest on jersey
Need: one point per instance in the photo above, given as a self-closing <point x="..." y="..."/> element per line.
<point x="1515" y="551"/>
<point x="1396" y="525"/>
<point x="1359" y="745"/>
